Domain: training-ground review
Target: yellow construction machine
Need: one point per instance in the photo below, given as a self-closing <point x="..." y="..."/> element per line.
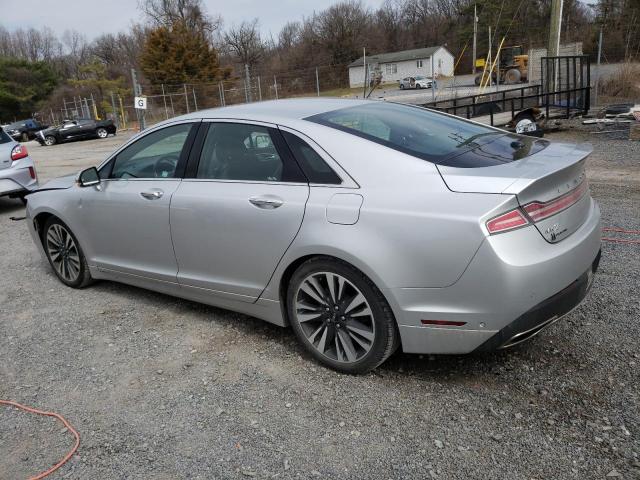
<point x="512" y="67"/>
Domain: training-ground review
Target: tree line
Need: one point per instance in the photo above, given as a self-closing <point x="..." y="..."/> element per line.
<point x="179" y="41"/>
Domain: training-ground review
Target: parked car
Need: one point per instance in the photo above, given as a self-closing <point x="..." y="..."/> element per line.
<point x="364" y="225"/>
<point x="416" y="82"/>
<point x="24" y="130"/>
<point x="76" y="130"/>
<point x="17" y="170"/>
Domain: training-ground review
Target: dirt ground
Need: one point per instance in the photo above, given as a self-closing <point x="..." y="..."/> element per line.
<point x="164" y="388"/>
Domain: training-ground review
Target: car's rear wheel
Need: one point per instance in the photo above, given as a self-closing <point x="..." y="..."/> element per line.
<point x="50" y="140"/>
<point x="64" y="254"/>
<point x="102" y="133"/>
<point x="24" y="137"/>
<point x="340" y="316"/>
<point x="401" y="86"/>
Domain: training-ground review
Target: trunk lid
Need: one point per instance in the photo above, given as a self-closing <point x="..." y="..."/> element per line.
<point x="550" y="183"/>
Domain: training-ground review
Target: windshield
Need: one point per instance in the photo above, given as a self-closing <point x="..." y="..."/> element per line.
<point x="413" y="130"/>
<point x="15" y="126"/>
<point x="420" y="77"/>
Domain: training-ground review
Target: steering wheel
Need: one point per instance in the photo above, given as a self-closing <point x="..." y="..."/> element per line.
<point x="165" y="167"/>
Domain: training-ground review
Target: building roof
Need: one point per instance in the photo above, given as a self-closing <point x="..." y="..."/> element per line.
<point x="415" y="54"/>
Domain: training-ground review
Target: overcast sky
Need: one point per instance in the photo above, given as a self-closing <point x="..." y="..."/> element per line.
<point x="94" y="17"/>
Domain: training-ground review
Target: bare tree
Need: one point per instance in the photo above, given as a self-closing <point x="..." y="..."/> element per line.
<point x="245" y="43"/>
<point x="191" y="12"/>
<point x="342" y="28"/>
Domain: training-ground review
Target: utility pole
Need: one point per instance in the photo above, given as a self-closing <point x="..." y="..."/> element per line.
<point x="490" y="59"/>
<point x="317" y="82"/>
<point x="186" y="97"/>
<point x="248" y="83"/>
<point x="595" y="94"/>
<point x="164" y="99"/>
<point x="364" y="63"/>
<point x="115" y="112"/>
<point x="475" y="37"/>
<point x="275" y="86"/>
<point x="433" y="82"/>
<point x="137" y="92"/>
<point x="553" y="48"/>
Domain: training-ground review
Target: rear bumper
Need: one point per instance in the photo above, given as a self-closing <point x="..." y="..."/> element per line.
<point x="17" y="179"/>
<point x="544" y="314"/>
<point x="511" y="284"/>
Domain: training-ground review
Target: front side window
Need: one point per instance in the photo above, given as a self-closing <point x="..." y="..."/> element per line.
<point x="417" y="131"/>
<point x="155" y="155"/>
<point x="235" y="151"/>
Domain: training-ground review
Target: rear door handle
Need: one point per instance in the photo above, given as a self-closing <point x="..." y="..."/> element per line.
<point x="154" y="194"/>
<point x="266" y="202"/>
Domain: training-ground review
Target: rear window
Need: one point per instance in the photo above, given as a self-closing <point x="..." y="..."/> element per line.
<point x="4" y="138"/>
<point x="427" y="134"/>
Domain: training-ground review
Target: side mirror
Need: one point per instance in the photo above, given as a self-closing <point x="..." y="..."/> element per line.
<point x="89" y="177"/>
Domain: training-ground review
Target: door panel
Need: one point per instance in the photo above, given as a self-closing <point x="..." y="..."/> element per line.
<point x="129" y="232"/>
<point x="126" y="216"/>
<point x="234" y="221"/>
<point x="224" y="241"/>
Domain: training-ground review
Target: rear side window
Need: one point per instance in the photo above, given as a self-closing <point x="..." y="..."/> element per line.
<point x="312" y="164"/>
<point x="423" y="133"/>
<point x="244" y="152"/>
<point x="4" y="138"/>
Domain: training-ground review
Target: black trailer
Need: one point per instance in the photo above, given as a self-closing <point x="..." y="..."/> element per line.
<point x="563" y="92"/>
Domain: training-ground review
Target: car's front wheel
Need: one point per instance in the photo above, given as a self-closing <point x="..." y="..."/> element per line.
<point x="64" y="254"/>
<point x="340" y="316"/>
<point x="49" y="140"/>
<point x="102" y="133"/>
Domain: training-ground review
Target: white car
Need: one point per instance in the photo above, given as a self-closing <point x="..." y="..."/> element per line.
<point x="416" y="82"/>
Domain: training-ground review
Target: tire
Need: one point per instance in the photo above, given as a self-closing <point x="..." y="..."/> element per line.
<point x="477" y="79"/>
<point x="65" y="254"/>
<point x="50" y="140"/>
<point x="340" y="334"/>
<point x="401" y="86"/>
<point x="102" y="132"/>
<point x="418" y="87"/>
<point x="530" y="118"/>
<point x="24" y="137"/>
<point x="512" y="76"/>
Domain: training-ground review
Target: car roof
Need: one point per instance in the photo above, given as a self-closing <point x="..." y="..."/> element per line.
<point x="274" y="111"/>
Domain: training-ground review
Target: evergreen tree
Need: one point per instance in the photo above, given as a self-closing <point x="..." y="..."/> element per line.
<point x="177" y="54"/>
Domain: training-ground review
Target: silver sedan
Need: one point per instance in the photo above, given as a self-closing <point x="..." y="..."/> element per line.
<point x="365" y="226"/>
<point x="17" y="170"/>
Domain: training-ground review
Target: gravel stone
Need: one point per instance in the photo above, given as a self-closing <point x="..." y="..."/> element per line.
<point x="56" y="356"/>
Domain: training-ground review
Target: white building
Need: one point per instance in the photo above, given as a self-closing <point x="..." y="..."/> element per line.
<point x="408" y="63"/>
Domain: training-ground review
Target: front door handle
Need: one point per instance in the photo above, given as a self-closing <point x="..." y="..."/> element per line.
<point x="154" y="194"/>
<point x="266" y="202"/>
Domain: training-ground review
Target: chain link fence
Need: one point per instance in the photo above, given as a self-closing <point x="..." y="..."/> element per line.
<point x="166" y="101"/>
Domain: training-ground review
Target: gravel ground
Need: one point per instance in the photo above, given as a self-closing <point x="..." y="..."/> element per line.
<point x="164" y="388"/>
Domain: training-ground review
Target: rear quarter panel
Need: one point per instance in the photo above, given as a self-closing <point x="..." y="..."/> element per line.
<point x="411" y="232"/>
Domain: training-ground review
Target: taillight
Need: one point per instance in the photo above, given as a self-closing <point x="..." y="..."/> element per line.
<point x="18" y="152"/>
<point x="507" y="221"/>
<point x="540" y="210"/>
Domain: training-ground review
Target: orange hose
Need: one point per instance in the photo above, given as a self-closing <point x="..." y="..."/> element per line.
<point x="66" y="424"/>
<point x="621" y="230"/>
<point x="619" y="240"/>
